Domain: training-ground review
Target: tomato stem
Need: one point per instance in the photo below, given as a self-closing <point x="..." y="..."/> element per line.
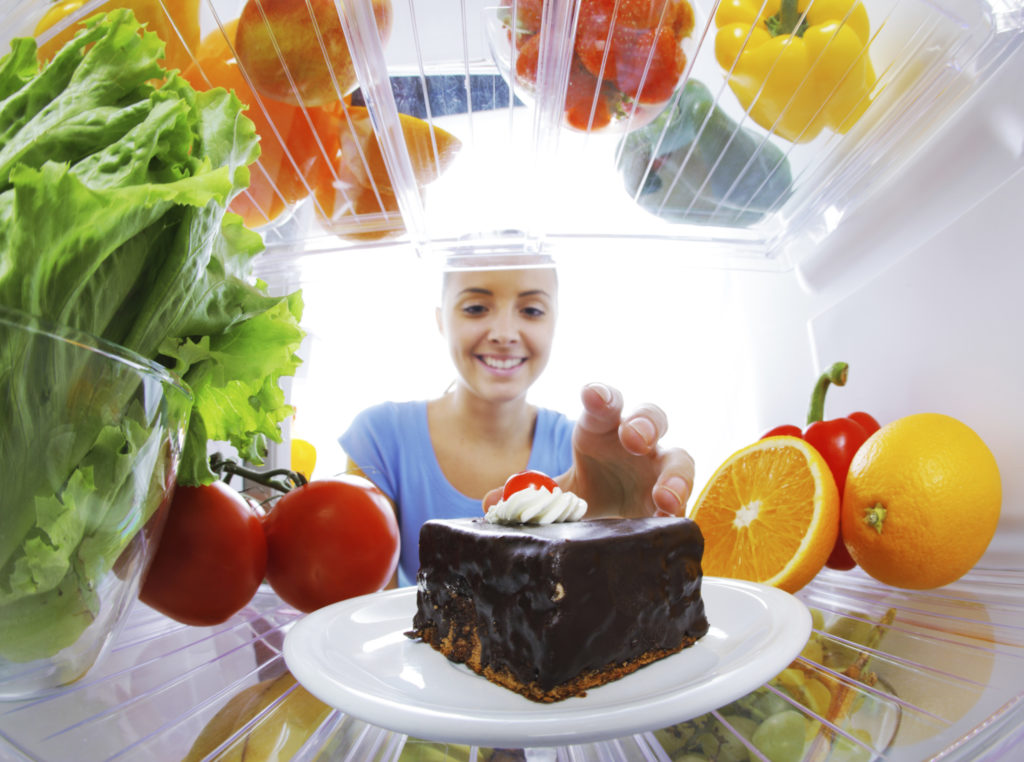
<point x="836" y="374"/>
<point x="281" y="479"/>
<point x="874" y="516"/>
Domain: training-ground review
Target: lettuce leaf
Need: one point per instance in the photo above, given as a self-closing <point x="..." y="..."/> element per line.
<point x="234" y="378"/>
<point x="115" y="178"/>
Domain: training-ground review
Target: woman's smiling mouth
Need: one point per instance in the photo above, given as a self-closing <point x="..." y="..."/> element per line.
<point x="500" y="362"/>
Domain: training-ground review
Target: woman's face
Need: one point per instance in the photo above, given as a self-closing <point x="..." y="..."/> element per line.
<point x="500" y="325"/>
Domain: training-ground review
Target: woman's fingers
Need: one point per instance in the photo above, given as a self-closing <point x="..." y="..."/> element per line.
<point x="491" y="498"/>
<point x="675" y="483"/>
<point x="619" y="464"/>
<point x="602" y="409"/>
<point x="643" y="429"/>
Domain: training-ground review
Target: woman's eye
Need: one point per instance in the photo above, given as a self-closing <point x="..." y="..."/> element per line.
<point x="534" y="312"/>
<point x="474" y="309"/>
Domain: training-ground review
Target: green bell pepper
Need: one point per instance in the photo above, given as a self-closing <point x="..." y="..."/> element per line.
<point x="694" y="164"/>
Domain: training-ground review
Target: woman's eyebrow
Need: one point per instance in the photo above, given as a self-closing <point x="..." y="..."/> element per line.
<point x="475" y="290"/>
<point x="489" y="292"/>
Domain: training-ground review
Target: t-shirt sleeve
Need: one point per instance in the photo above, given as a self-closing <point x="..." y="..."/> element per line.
<point x="370" y="442"/>
<point x="563" y="442"/>
<point x="552" y="445"/>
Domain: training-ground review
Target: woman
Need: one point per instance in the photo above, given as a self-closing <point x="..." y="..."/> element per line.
<point x="448" y="457"/>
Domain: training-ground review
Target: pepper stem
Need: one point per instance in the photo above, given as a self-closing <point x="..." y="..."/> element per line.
<point x="874" y="516"/>
<point x="834" y="375"/>
<point x="226" y="468"/>
<point x="789" y="20"/>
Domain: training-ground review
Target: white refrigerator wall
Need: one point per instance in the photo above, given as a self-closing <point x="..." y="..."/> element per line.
<point x="920" y="291"/>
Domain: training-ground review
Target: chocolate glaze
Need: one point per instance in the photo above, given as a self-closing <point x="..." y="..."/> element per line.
<point x="553" y="601"/>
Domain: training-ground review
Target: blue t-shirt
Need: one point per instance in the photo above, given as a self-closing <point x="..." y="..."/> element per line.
<point x="390" y="443"/>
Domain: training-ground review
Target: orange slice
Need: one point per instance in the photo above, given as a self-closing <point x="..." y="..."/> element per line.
<point x="431" y="149"/>
<point x="769" y="514"/>
<point x="357" y="201"/>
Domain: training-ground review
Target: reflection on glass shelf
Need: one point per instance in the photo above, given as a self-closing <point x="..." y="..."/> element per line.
<point x="446" y="94"/>
<point x="908" y="675"/>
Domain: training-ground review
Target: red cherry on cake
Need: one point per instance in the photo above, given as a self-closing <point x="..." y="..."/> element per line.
<point x="526" y="479"/>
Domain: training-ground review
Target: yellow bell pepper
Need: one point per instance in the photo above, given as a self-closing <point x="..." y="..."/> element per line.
<point x="176" y="22"/>
<point x="797" y="66"/>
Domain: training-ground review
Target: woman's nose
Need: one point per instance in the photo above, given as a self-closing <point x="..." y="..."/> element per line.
<point x="504" y="328"/>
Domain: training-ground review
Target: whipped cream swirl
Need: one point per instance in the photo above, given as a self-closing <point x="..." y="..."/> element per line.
<point x="537" y="505"/>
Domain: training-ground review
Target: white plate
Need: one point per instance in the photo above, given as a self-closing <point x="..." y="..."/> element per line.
<point x="354" y="655"/>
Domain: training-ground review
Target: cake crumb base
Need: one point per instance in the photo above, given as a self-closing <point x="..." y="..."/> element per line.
<point x="464" y="648"/>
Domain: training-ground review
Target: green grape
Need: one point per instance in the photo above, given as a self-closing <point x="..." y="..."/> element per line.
<point x="748" y="705"/>
<point x="744" y="705"/>
<point x="731" y="748"/>
<point x="817" y="696"/>
<point x="781" y="737"/>
<point x="768" y="704"/>
<point x="501" y="755"/>
<point x="422" y="751"/>
<point x="845" y="750"/>
<point x="813" y="651"/>
<point x="690" y="757"/>
<point x="817" y="620"/>
<point x="839" y="656"/>
<point x="742" y="724"/>
<point x="675" y="738"/>
<point x="708" y="744"/>
<point x="854" y="630"/>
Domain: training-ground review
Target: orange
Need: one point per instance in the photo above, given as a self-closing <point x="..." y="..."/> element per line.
<point x="922" y="501"/>
<point x="356" y="213"/>
<point x="430" y="148"/>
<point x="358" y="200"/>
<point x="308" y="38"/>
<point x="770" y="514"/>
<point x="176" y="22"/>
<point x="295" y="144"/>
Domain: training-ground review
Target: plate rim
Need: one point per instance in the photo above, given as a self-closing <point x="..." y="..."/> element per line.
<point x="790" y="628"/>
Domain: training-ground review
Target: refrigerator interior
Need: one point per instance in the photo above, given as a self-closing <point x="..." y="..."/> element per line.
<point x="893" y="248"/>
<point x="916" y="676"/>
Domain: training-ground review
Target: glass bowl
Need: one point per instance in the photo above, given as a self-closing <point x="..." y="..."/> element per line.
<point x="92" y="436"/>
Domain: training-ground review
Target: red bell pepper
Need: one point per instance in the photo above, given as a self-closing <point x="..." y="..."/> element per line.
<point x="837" y="440"/>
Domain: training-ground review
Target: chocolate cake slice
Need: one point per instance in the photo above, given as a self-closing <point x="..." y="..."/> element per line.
<point x="551" y="611"/>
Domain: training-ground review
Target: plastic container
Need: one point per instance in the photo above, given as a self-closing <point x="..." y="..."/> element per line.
<point x="490" y="161"/>
<point x="617" y="64"/>
<point x="92" y="436"/>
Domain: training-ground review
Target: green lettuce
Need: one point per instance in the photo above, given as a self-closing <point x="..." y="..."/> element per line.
<point x="115" y="178"/>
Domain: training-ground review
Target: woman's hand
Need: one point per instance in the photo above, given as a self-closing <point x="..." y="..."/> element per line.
<point x="619" y="466"/>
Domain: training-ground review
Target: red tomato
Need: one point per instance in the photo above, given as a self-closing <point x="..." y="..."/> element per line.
<point x="211" y="557"/>
<point x="329" y="540"/>
<point x="525" y="479"/>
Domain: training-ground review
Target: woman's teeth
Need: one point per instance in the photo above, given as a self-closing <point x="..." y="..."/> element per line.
<point x="503" y="363"/>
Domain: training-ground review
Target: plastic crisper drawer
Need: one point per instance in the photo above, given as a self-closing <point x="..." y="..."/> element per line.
<point x="732" y="183"/>
<point x="906" y="675"/>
